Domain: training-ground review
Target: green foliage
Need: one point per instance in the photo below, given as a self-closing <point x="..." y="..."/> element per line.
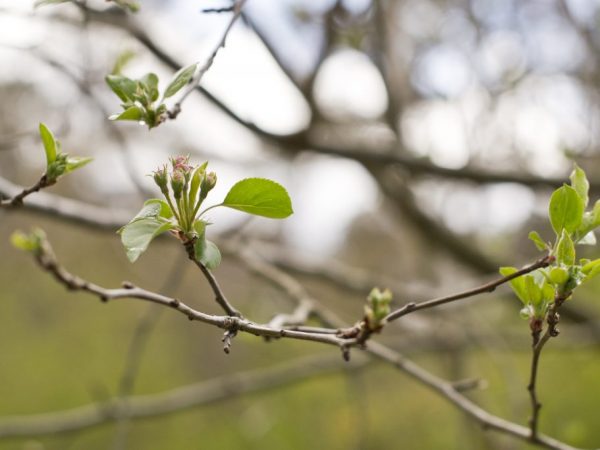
<point x="565" y="210"/>
<point x="377" y="308"/>
<point x="130" y="5"/>
<point x="260" y="197"/>
<point x="185" y="187"/>
<point x="141" y="100"/>
<point x="181" y="78"/>
<point x="31" y="242"/>
<point x="572" y="225"/>
<point x="58" y="163"/>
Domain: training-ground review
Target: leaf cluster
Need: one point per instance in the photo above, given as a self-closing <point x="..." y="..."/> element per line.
<point x="141" y="99"/>
<point x="185" y="187"/>
<point x="572" y="225"/>
<point x="57" y="162"/>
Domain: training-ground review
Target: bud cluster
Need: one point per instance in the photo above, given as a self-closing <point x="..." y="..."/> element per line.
<point x="377" y="308"/>
<point x="189" y="186"/>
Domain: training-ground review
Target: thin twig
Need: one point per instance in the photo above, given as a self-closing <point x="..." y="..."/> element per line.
<point x="538" y="345"/>
<point x="46" y="259"/>
<point x="488" y="287"/>
<point x="220" y="297"/>
<point x="444" y="388"/>
<point x="195" y="81"/>
<point x="17" y="200"/>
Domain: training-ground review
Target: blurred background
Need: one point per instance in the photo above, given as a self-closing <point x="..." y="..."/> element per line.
<point x="419" y="141"/>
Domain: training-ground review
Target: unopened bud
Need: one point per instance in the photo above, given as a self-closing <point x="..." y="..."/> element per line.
<point x="161" y="179"/>
<point x="208" y="182"/>
<point x="181" y="163"/>
<point x="177" y="183"/>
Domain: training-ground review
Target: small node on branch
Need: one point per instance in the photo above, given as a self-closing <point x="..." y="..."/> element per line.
<point x="346" y="353"/>
<point x="227" y="338"/>
<point x="174" y="303"/>
<point x="127" y="285"/>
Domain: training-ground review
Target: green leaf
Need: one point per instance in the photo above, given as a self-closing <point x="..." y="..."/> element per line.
<point x="565" y="250"/>
<point x="532" y="291"/>
<point x="131" y="113"/>
<point x="76" y="162"/>
<point x="164" y="209"/>
<point x="122" y="86"/>
<point x="195" y="184"/>
<point x="205" y="251"/>
<point x="153" y="208"/>
<point x="31" y="242"/>
<point x="137" y="235"/>
<point x="122" y="60"/>
<point x="517" y="284"/>
<point x="559" y="275"/>
<point x="49" y="143"/>
<point x="538" y="241"/>
<point x="580" y="183"/>
<point x="261" y="197"/>
<point x="180" y="79"/>
<point x="590" y="266"/>
<point x="131" y="5"/>
<point x="150" y="85"/>
<point x="565" y="210"/>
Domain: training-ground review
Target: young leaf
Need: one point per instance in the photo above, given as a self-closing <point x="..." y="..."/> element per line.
<point x="131" y="113"/>
<point x="195" y="183"/>
<point x="261" y="197"/>
<point x="122" y="60"/>
<point x="164" y="209"/>
<point x="565" y="210"/>
<point x="122" y="86"/>
<point x="137" y="235"/>
<point x="559" y="276"/>
<point x="150" y="85"/>
<point x="181" y="78"/>
<point x="153" y="208"/>
<point x="49" y="144"/>
<point x="517" y="284"/>
<point x="533" y="291"/>
<point x="580" y="183"/>
<point x="131" y="5"/>
<point x="538" y="241"/>
<point x="75" y="162"/>
<point x="205" y="251"/>
<point x="591" y="269"/>
<point x="29" y="242"/>
<point x="565" y="250"/>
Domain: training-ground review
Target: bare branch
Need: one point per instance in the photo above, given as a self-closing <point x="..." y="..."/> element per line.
<point x="220" y="297"/>
<point x="195" y="81"/>
<point x="17" y="200"/>
<point x="175" y="400"/>
<point x="46" y="259"/>
<point x="488" y="287"/>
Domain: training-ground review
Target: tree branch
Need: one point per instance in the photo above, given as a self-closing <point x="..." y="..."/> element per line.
<point x="17" y="200"/>
<point x="488" y="287"/>
<point x="175" y="400"/>
<point x="232" y="324"/>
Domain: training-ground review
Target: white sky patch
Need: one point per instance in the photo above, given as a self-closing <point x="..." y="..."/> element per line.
<point x="327" y="194"/>
<point x="349" y="85"/>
